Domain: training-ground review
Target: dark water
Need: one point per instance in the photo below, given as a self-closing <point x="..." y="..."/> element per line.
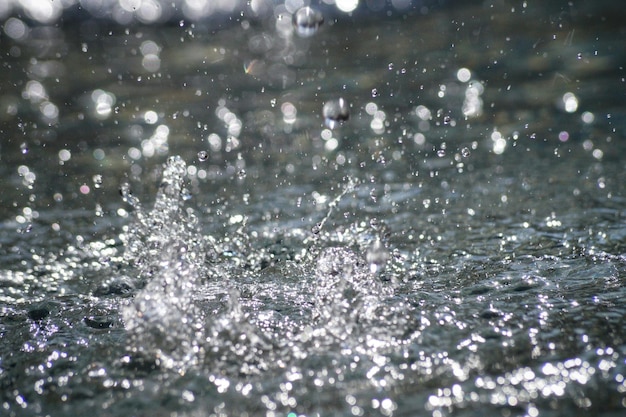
<point x="183" y="234"/>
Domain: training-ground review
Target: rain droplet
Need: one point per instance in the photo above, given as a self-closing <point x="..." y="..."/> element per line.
<point x="203" y="156"/>
<point x="127" y="195"/>
<point x="24" y="148"/>
<point x="465" y="152"/>
<point x="336" y="112"/>
<point x="377" y="256"/>
<point x="307" y="21"/>
<point x="97" y="181"/>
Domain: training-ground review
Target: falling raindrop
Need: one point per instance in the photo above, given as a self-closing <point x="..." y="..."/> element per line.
<point x="97" y="181"/>
<point x="203" y="156"/>
<point x="127" y="195"/>
<point x="24" y="148"/>
<point x="307" y="21"/>
<point x="336" y="112"/>
<point x="377" y="256"/>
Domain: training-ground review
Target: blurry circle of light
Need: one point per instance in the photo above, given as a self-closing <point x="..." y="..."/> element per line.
<point x="463" y="75"/>
<point x="475" y="87"/>
<point x="215" y="142"/>
<point x="134" y="153"/>
<point x="22" y="170"/>
<point x="347" y="6"/>
<point x="130" y="6"/>
<point x="587" y="117"/>
<point x="499" y="143"/>
<point x="151" y="117"/>
<point x="284" y="26"/>
<point x="331" y="144"/>
<point x="473" y="104"/>
<point x="162" y="132"/>
<point x="377" y="126"/>
<point x="570" y="102"/>
<point x="293" y="5"/>
<point x="151" y="62"/>
<point x="98" y="154"/>
<point x="64" y="155"/>
<point x="563" y="136"/>
<point x="44" y="11"/>
<point x="234" y="128"/>
<point x="149" y="47"/>
<point x="419" y="139"/>
<point x="261" y="7"/>
<point x="15" y="28"/>
<point x="371" y="108"/>
<point x="597" y="153"/>
<point x="103" y="102"/>
<point x="49" y="110"/>
<point x="289" y="112"/>
<point x="229" y="117"/>
<point x="423" y="112"/>
<point x="35" y="92"/>
<point x="149" y="11"/>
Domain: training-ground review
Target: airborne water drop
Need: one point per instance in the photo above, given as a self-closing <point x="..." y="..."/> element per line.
<point x="307" y="21"/>
<point x="335" y="112"/>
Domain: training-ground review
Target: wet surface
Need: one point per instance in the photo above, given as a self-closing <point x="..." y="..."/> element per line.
<point x="418" y="212"/>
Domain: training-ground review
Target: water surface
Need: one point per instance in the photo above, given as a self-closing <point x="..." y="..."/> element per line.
<point x="186" y="231"/>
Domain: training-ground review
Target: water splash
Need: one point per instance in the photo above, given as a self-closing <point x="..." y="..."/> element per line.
<point x="163" y="319"/>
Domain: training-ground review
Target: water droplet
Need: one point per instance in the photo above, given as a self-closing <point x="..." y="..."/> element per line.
<point x="307" y="21"/>
<point x="316" y="229"/>
<point x="127" y="195"/>
<point x="185" y="194"/>
<point x="203" y="156"/>
<point x="465" y="152"/>
<point x="377" y="256"/>
<point x="375" y="92"/>
<point x="99" y="212"/>
<point x="97" y="181"/>
<point x="24" y="148"/>
<point x="336" y="112"/>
